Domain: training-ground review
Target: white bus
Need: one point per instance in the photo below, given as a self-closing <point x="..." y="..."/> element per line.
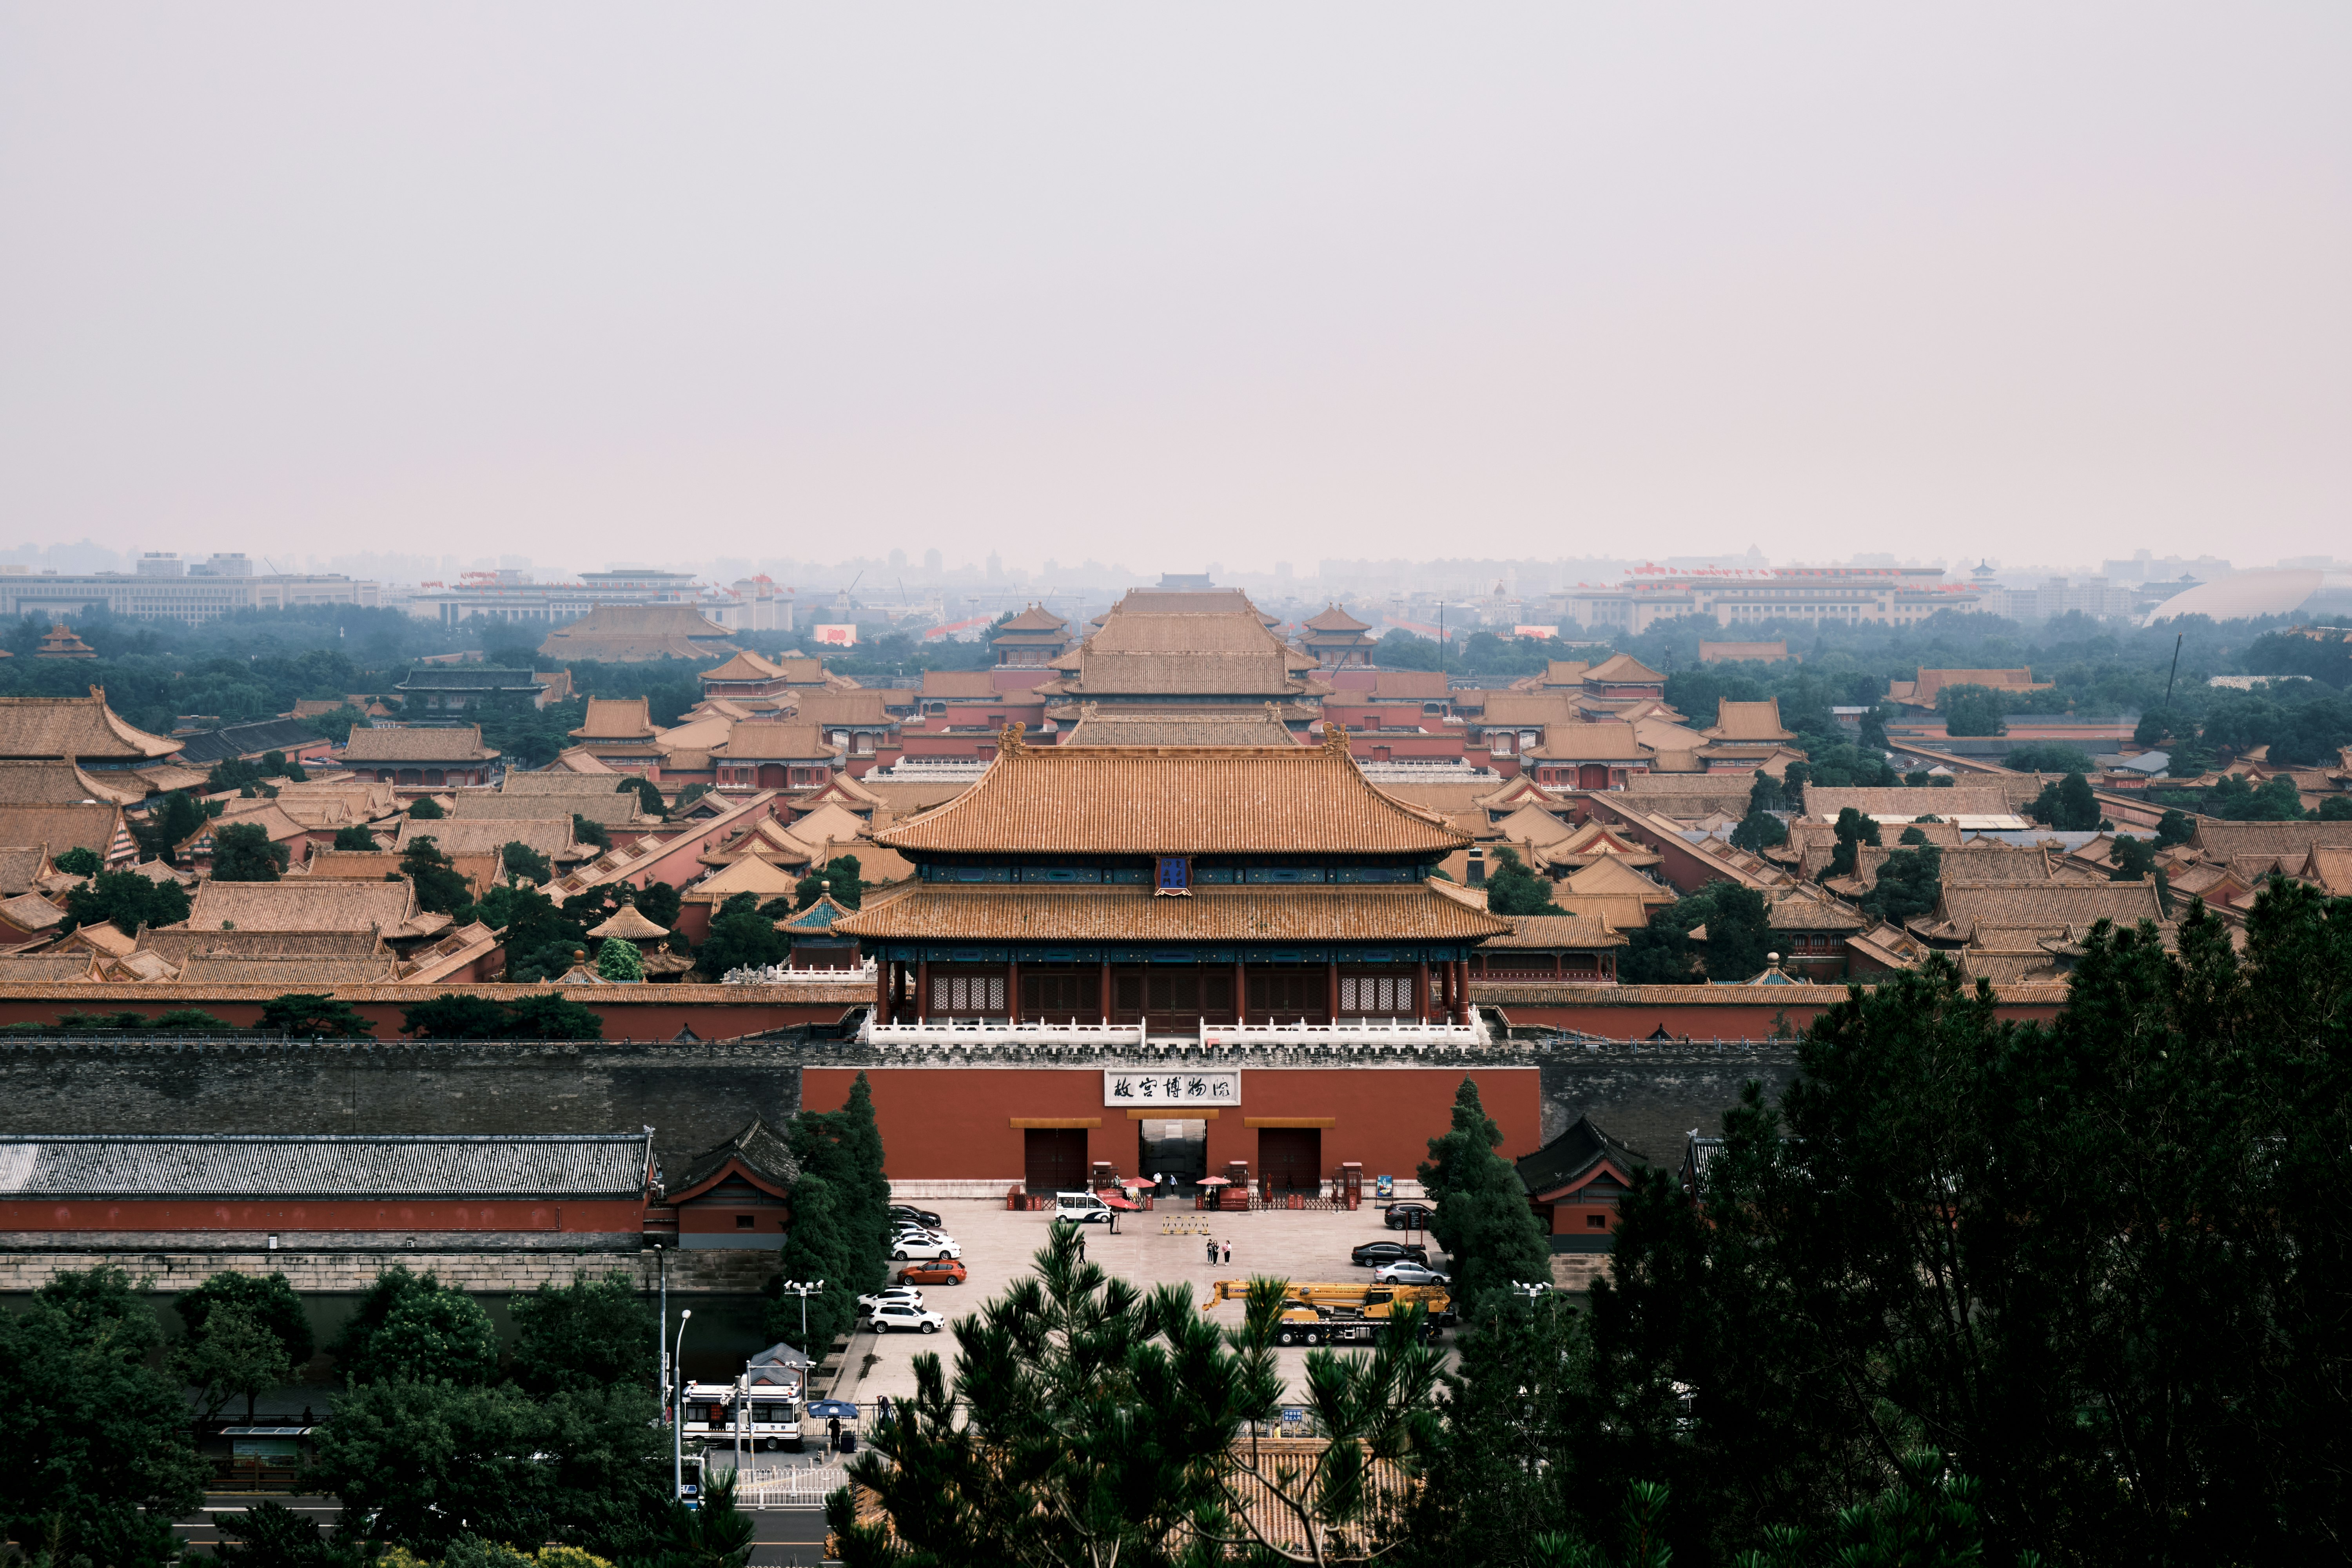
<point x="754" y="1413"/>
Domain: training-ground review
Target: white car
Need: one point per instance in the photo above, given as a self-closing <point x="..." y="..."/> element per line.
<point x="896" y="1294"/>
<point x="892" y="1315"/>
<point x="1408" y="1272"/>
<point x="907" y="1246"/>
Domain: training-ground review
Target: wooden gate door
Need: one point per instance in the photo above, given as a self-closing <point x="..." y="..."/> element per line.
<point x="1053" y="1159"/>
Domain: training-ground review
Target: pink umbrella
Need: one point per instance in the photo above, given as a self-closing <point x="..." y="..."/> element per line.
<point x="1212" y="1182"/>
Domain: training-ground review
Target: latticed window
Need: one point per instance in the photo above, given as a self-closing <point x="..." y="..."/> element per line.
<point x="1376" y="996"/>
<point x="967" y="995"/>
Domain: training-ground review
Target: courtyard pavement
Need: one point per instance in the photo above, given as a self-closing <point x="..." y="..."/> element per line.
<point x="999" y="1245"/>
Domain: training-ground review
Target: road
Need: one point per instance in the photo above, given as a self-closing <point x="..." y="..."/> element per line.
<point x="787" y="1536"/>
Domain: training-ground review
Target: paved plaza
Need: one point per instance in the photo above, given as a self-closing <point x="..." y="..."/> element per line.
<point x="999" y="1245"/>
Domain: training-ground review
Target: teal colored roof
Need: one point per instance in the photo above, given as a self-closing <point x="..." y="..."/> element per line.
<point x="818" y="916"/>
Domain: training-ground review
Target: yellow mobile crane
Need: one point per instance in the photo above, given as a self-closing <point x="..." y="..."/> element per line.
<point x="1323" y="1312"/>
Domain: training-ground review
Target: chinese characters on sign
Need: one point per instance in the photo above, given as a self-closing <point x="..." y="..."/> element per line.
<point x="1175" y="1089"/>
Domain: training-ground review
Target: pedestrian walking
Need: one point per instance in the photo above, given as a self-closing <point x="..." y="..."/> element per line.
<point x="1213" y="1249"/>
<point x="1229" y="1252"/>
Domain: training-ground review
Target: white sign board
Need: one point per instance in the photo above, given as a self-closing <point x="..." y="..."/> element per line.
<point x="1173" y="1091"/>
<point x="844" y="635"/>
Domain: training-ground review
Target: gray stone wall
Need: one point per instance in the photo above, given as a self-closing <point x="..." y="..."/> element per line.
<point x="1653" y="1096"/>
<point x="693" y="1095"/>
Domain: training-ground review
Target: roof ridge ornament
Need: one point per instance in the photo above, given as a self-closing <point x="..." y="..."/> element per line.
<point x="1009" y="741"/>
<point x="1335" y="736"/>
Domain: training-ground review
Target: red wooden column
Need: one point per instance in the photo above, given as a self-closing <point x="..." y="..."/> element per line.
<point x="1462" y="991"/>
<point x="1420" y="994"/>
<point x="1013" y="992"/>
<point x="922" y="990"/>
<point x="884" y="973"/>
<point x="1331" y="990"/>
<point x="1241" y="993"/>
<point x="1106" y="990"/>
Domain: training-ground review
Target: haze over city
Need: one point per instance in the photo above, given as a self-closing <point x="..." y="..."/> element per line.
<point x="1164" y="289"/>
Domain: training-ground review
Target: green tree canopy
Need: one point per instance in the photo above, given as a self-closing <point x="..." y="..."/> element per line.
<point x="306" y="1013"/>
<point x="2070" y="807"/>
<point x="455" y="1017"/>
<point x="98" y="1432"/>
<point x="80" y="862"/>
<point x="236" y="1355"/>
<point x="267" y="1298"/>
<point x="1971" y="710"/>
<point x="353" y="836"/>
<point x="1484" y="1220"/>
<point x="128" y="900"/>
<point x="425" y="808"/>
<point x="2088" y="1260"/>
<point x="553" y="1016"/>
<point x="841" y="878"/>
<point x="1910" y="881"/>
<point x="242" y="852"/>
<point x="1513" y="890"/>
<point x="588" y="830"/>
<point x="591" y="1334"/>
<point x="820" y="1245"/>
<point x="440" y="887"/>
<point x="2048" y="757"/>
<point x="648" y="794"/>
<point x="619" y="961"/>
<point x="741" y="938"/>
<point x="521" y="863"/>
<point x="411" y="1328"/>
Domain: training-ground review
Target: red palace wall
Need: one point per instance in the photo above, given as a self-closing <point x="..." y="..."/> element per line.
<point x="950" y="1123"/>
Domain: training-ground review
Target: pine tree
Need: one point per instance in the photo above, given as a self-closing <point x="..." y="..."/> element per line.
<point x="1484" y="1220"/>
<point x="818" y="1246"/>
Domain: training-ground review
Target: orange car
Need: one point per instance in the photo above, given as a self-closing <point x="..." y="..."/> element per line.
<point x="945" y="1271"/>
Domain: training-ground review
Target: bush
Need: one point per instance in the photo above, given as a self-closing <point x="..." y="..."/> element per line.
<point x="78" y="861"/>
<point x="352" y="836"/>
<point x="619" y="961"/>
<point x="425" y="808"/>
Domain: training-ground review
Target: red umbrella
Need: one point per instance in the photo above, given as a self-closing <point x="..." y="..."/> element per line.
<point x="1111" y="1200"/>
<point x="1212" y="1182"/>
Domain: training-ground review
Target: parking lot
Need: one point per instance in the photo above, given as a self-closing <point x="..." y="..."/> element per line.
<point x="1000" y="1244"/>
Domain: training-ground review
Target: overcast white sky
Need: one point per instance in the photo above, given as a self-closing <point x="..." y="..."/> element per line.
<point x="1175" y="283"/>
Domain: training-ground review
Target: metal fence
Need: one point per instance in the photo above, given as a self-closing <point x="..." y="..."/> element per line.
<point x="796" y="1486"/>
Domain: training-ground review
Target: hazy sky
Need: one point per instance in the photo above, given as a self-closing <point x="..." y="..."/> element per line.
<point x="1177" y="283"/>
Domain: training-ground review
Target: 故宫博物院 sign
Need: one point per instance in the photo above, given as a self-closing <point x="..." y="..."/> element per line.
<point x="1170" y="1089"/>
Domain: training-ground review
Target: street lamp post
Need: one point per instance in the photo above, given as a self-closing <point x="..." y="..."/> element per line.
<point x="804" y="1289"/>
<point x="678" y="1422"/>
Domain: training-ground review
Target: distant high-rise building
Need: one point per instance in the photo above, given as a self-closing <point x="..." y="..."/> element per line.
<point x="933" y="563"/>
<point x="995" y="567"/>
<point x="162" y="564"/>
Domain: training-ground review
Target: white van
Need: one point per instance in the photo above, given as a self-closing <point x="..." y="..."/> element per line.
<point x="1081" y="1208"/>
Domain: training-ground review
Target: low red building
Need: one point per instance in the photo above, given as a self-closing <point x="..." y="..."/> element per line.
<point x="737" y="1196"/>
<point x="572" y="1191"/>
<point x="1576" y="1182"/>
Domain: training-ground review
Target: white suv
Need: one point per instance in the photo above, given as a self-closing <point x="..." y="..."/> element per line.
<point x="899" y="1295"/>
<point x="892" y="1315"/>
<point x="910" y="1245"/>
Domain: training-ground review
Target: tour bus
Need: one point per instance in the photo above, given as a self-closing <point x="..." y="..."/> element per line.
<point x="758" y="1414"/>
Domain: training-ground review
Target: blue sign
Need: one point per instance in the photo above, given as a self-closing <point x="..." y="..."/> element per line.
<point x="1174" y="876"/>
